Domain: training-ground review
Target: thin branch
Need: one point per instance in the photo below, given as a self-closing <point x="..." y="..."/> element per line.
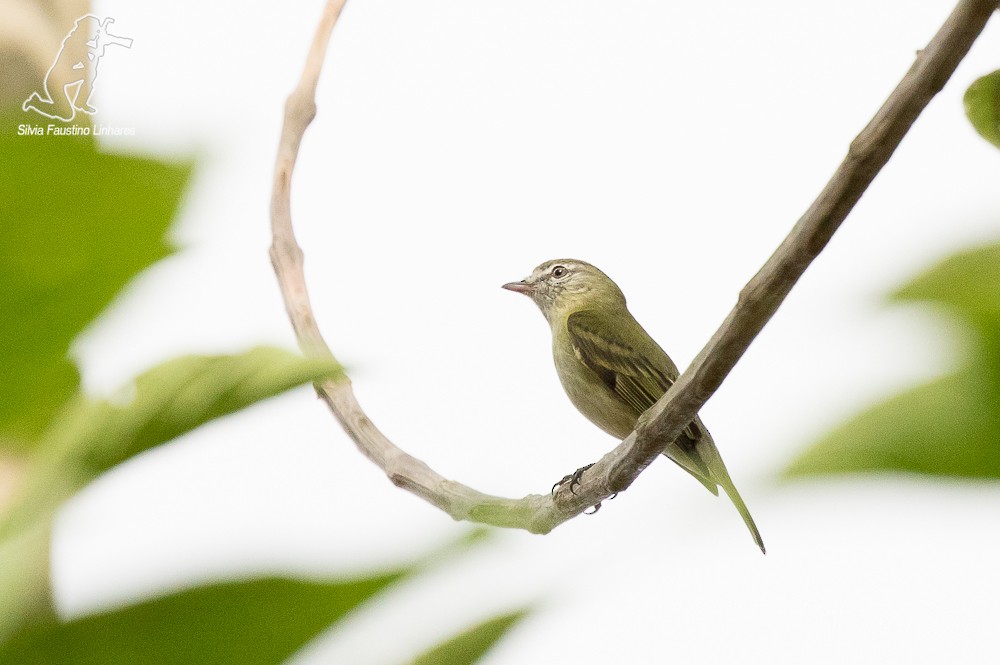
<point x="762" y="296"/>
<point x="662" y="423"/>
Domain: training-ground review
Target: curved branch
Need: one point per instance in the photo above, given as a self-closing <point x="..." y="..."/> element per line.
<point x="662" y="423"/>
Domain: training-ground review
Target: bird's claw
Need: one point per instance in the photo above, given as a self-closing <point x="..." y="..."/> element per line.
<point x="573" y="479"/>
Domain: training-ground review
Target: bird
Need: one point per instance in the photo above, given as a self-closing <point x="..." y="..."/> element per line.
<point x="613" y="371"/>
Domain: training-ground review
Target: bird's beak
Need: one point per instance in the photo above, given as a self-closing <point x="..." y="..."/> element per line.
<point x="520" y="287"/>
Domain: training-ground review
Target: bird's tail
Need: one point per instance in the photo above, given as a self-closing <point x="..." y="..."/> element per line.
<point x="737" y="500"/>
<point x="703" y="461"/>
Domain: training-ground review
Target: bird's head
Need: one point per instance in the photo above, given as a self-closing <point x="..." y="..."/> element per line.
<point x="566" y="285"/>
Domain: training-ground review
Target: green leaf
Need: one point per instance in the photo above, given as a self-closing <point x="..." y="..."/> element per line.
<point x="184" y="393"/>
<point x="967" y="285"/>
<point x="89" y="437"/>
<point x="468" y="647"/>
<point x="967" y="282"/>
<point x="982" y="106"/>
<point x="75" y="226"/>
<point x="257" y="622"/>
<point x="947" y="427"/>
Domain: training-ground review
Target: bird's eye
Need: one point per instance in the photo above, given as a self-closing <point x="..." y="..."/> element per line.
<point x="559" y="271"/>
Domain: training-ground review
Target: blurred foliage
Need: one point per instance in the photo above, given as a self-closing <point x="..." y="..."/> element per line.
<point x="982" y="105"/>
<point x="252" y="622"/>
<point x="950" y="426"/>
<point x="471" y="645"/>
<point x="75" y="226"/>
<point x="88" y="437"/>
<point x="78" y="225"/>
<point x="261" y="621"/>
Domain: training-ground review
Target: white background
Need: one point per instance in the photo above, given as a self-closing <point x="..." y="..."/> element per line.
<point x="458" y="144"/>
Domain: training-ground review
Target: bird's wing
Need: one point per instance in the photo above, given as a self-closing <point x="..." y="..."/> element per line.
<point x="620" y="366"/>
<point x="632" y="376"/>
<point x="639" y="377"/>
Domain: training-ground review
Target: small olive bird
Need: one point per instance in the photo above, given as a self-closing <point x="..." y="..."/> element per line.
<point x="612" y="369"/>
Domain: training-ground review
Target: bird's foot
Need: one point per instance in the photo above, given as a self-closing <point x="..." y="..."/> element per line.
<point x="573" y="479"/>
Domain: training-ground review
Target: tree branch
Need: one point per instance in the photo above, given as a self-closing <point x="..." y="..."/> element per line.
<point x="662" y="423"/>
<point x="762" y="296"/>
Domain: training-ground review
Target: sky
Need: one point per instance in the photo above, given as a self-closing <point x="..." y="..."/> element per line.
<point x="457" y="145"/>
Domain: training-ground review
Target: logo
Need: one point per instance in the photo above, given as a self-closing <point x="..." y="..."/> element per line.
<point x="69" y="83"/>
